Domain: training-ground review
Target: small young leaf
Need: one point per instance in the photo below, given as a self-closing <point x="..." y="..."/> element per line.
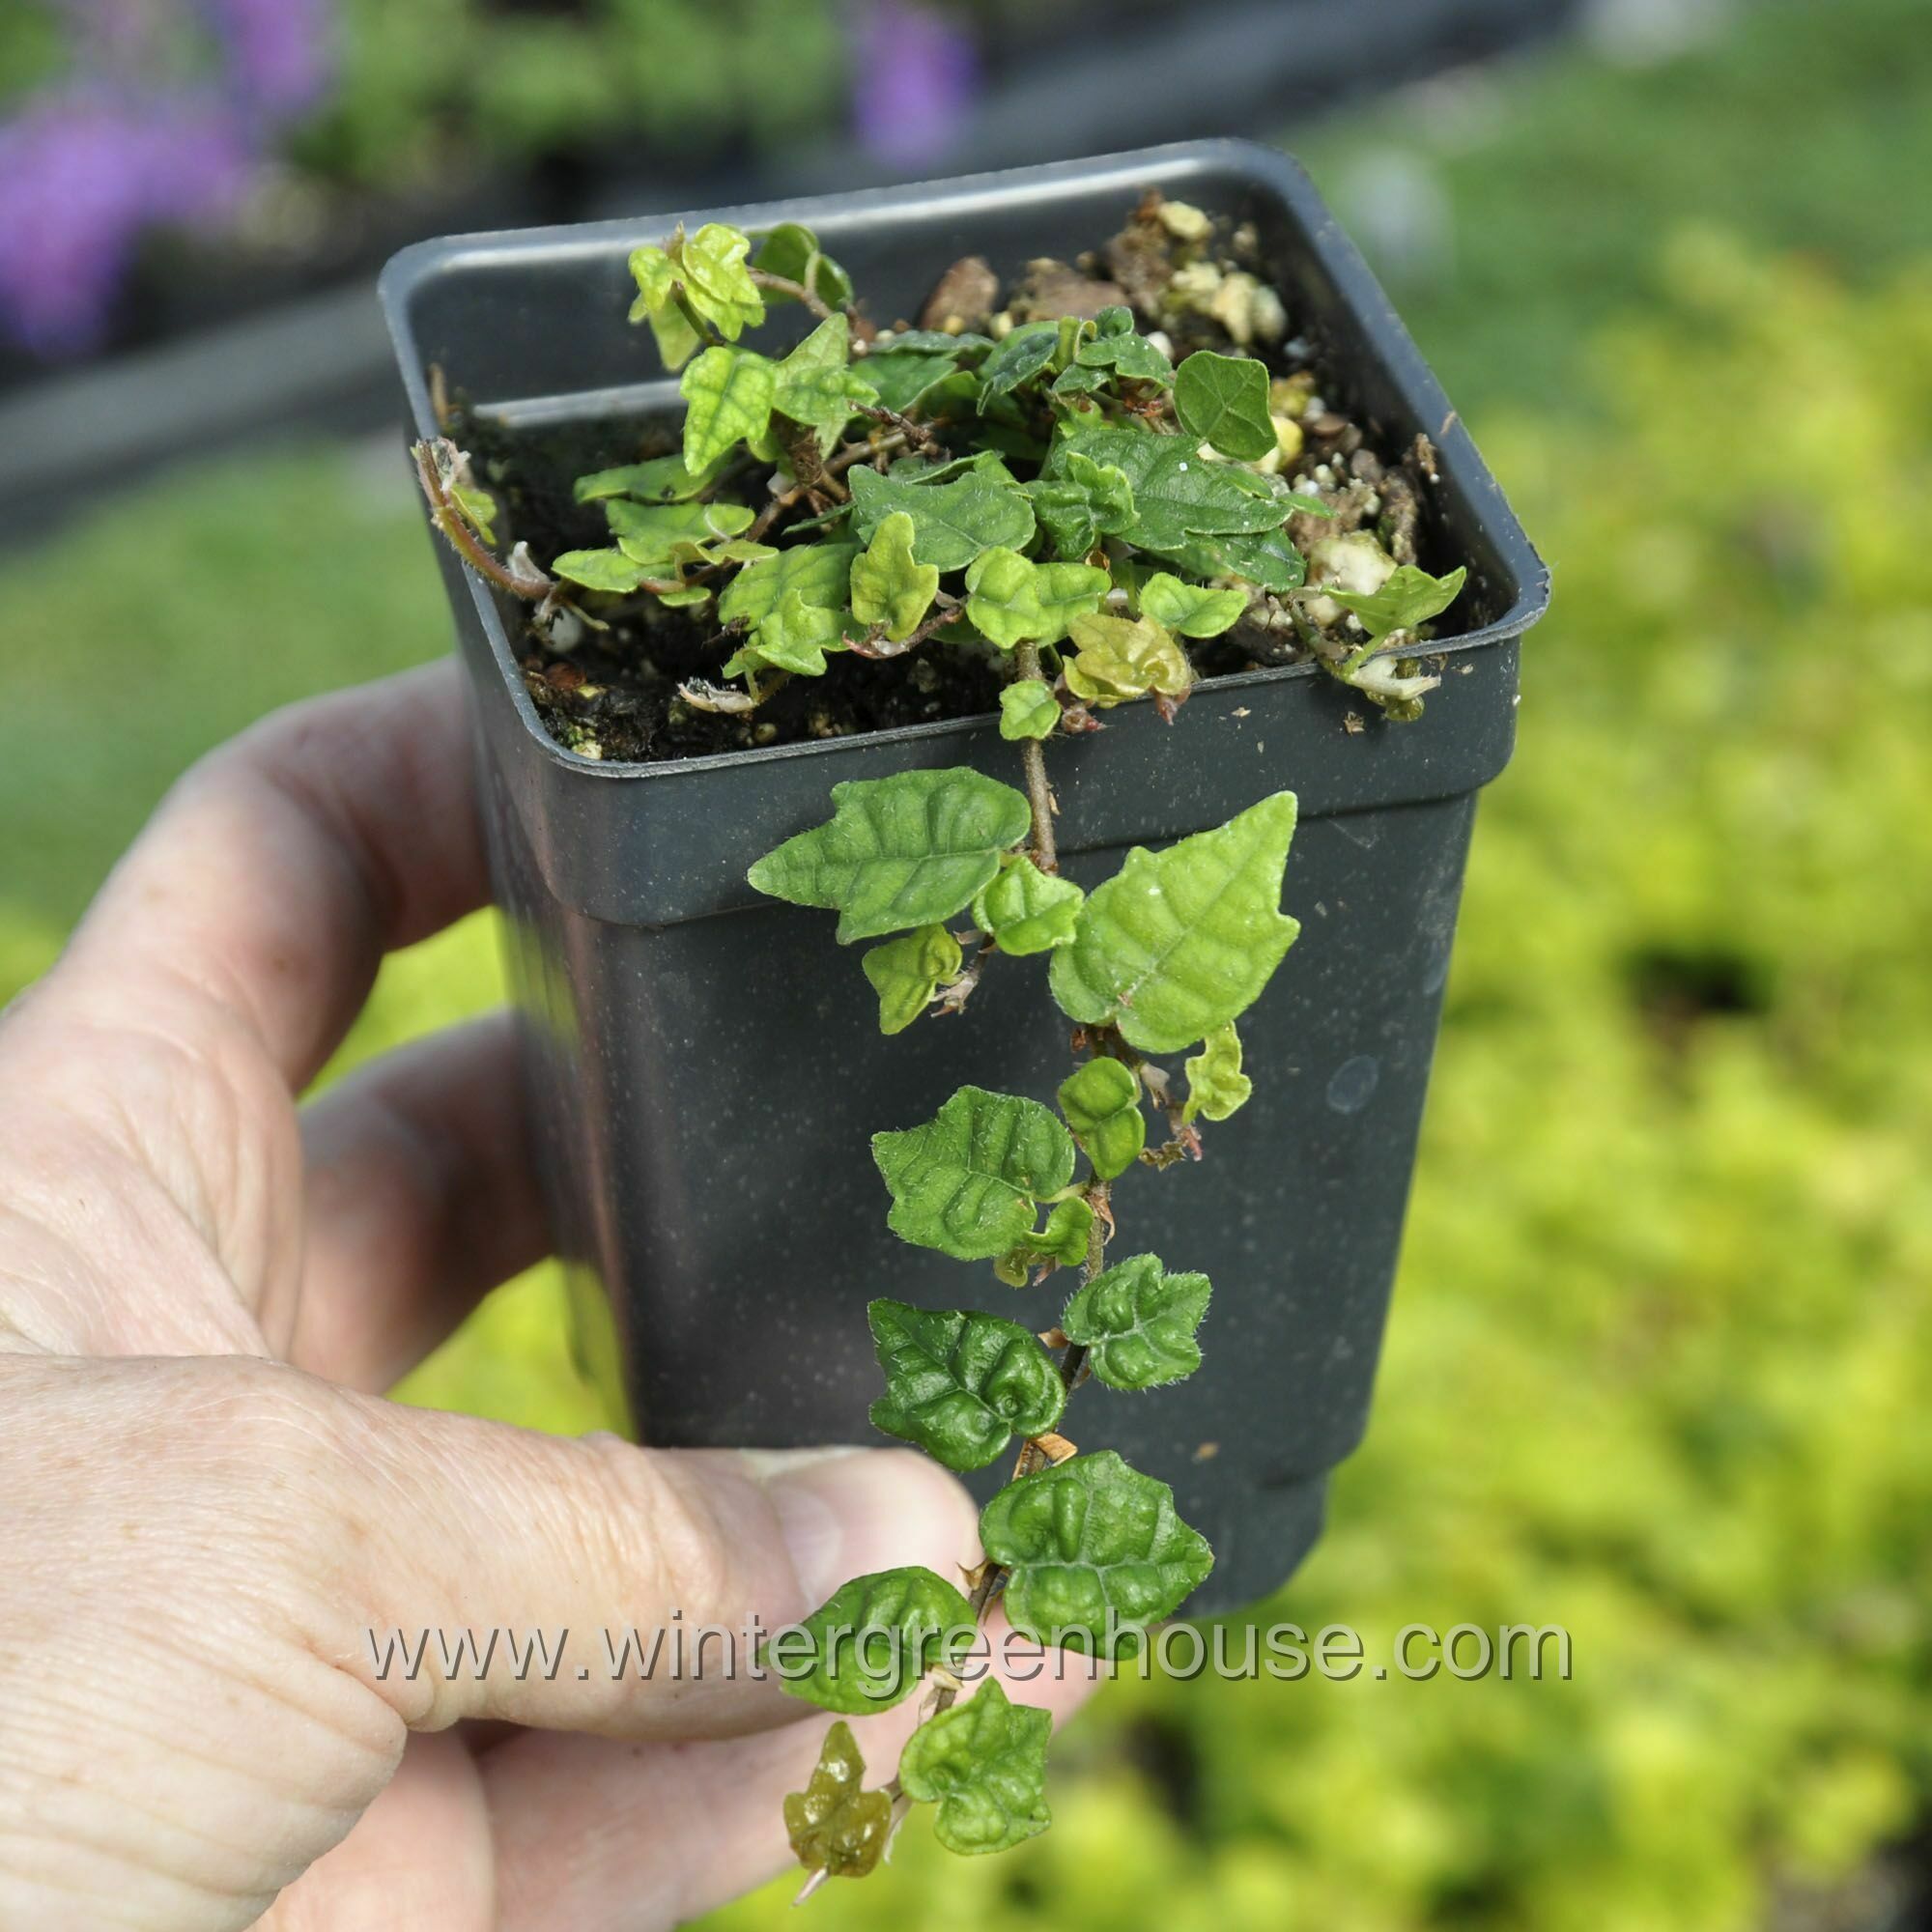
<point x="1062" y="1241"/>
<point x="1181" y="942"/>
<point x="887" y="587"/>
<point x="477" y="508"/>
<point x="817" y="386"/>
<point x="1097" y="1554"/>
<point x="1191" y="609"/>
<point x="1216" y="1086"/>
<point x="1027" y="910"/>
<point x="818" y="572"/>
<point x="601" y="570"/>
<point x="900" y="851"/>
<point x="953" y="522"/>
<point x="1102" y="1105"/>
<point x="1137" y="1322"/>
<point x="1410" y="597"/>
<point x="729" y="392"/>
<point x="1028" y="709"/>
<point x="1020" y="357"/>
<point x="664" y="479"/>
<point x="834" y="1824"/>
<point x="657" y="278"/>
<point x="906" y="971"/>
<point x="1223" y="400"/>
<point x="795" y="637"/>
<point x="711" y="265"/>
<point x="985" y="1762"/>
<point x="1131" y="357"/>
<point x="874" y="1638"/>
<point x="961" y="1384"/>
<point x="1010" y="598"/>
<point x="1085" y="502"/>
<point x="1123" y="658"/>
<point x="791" y="250"/>
<point x="966" y="1181"/>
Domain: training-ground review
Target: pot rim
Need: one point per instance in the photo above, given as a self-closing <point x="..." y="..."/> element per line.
<point x="958" y="197"/>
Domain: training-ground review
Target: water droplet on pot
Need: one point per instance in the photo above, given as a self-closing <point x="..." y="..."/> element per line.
<point x="1353" y="1083"/>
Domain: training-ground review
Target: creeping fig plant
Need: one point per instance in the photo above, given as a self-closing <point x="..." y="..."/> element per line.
<point x="1082" y="506"/>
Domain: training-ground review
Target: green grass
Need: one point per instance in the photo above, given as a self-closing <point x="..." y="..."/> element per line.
<point x="1657" y="1363"/>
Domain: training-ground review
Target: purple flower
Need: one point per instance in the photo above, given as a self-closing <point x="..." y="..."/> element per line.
<point x="915" y="77"/>
<point x="278" y="52"/>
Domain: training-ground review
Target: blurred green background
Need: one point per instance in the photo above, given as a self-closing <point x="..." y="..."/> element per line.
<point x="1662" y="1351"/>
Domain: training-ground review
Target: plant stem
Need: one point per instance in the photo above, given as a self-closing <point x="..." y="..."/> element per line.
<point x="448" y="519"/>
<point x="783" y="285"/>
<point x="1033" y="761"/>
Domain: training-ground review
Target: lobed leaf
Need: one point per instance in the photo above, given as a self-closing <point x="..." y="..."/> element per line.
<point x="1119" y="658"/>
<point x="1010" y="599"/>
<point x="1084" y="502"/>
<point x="1410" y="597"/>
<point x="900" y="851"/>
<point x="967" y="1180"/>
<point x="1179" y="943"/>
<point x="1192" y="610"/>
<point x="1137" y="1324"/>
<point x="796" y="637"/>
<point x="834" y="1824"/>
<point x="1019" y="359"/>
<point x="1102" y="1105"/>
<point x="960" y="1383"/>
<point x="874" y="1637"/>
<point x="906" y="971"/>
<point x="984" y="1763"/>
<point x="1118" y="347"/>
<point x="953" y="522"/>
<point x="890" y="587"/>
<point x="1028" y="709"/>
<point x="729" y="393"/>
<point x="1223" y="400"/>
<point x="818" y="572"/>
<point x="1178" y="493"/>
<point x="1216" y="1086"/>
<point x="1097" y="1554"/>
<point x="1027" y="910"/>
<point x="816" y="385"/>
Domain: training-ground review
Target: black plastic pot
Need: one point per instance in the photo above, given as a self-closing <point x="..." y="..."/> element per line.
<point x="705" y="1066"/>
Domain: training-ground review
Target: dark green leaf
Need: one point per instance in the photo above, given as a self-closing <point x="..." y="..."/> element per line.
<point x="834" y="1824"/>
<point x="1179" y="494"/>
<point x="1085" y="501"/>
<point x="1137" y="1322"/>
<point x="1027" y="910"/>
<point x="960" y="1383"/>
<point x="953" y="522"/>
<point x="1223" y="400"/>
<point x="1102" y="1105"/>
<point x="874" y="1638"/>
<point x="1181" y="942"/>
<point x="966" y="1182"/>
<point x="1020" y="357"/>
<point x="906" y="971"/>
<point x="791" y="250"/>
<point x="936" y="341"/>
<point x="1129" y="355"/>
<point x="900" y="851"/>
<point x="905" y="377"/>
<point x="985" y="1762"/>
<point x="1097" y="1554"/>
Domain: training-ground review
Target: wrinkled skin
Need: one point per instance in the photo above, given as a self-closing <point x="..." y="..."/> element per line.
<point x="205" y="1503"/>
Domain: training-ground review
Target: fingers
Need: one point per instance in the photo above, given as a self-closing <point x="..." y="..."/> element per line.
<point x="279" y="871"/>
<point x="593" y="1832"/>
<point x="444" y="1524"/>
<point x="421" y="1197"/>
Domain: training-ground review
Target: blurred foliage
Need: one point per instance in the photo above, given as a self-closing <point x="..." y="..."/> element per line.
<point x="1658" y="1362"/>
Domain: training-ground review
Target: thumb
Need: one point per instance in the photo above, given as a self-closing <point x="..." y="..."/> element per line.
<point x="436" y="1526"/>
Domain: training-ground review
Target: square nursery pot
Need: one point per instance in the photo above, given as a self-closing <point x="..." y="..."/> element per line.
<point x="704" y="1064"/>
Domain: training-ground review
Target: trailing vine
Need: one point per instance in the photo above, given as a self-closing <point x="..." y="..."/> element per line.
<point x="1062" y="498"/>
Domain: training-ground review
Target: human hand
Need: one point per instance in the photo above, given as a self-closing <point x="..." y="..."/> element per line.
<point x="206" y="1506"/>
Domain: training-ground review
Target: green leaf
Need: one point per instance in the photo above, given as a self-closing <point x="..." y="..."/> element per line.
<point x="791" y="250"/>
<point x="1410" y="597"/>
<point x="1223" y="400"/>
<point x="966" y="1181"/>
<point x="1090" y="1540"/>
<point x="960" y="1383"/>
<point x="900" y="851"/>
<point x="985" y="1762"/>
<point x="1028" y="709"/>
<point x="906" y="971"/>
<point x="1062" y="1241"/>
<point x="795" y="637"/>
<point x="937" y="341"/>
<point x="1020" y="357"/>
<point x="1268" y="559"/>
<point x="729" y="392"/>
<point x="1118" y="347"/>
<point x="889" y="588"/>
<point x="874" y="1638"/>
<point x="1191" y="609"/>
<point x="905" y="377"/>
<point x="952" y="522"/>
<point x="601" y="570"/>
<point x="1118" y="659"/>
<point x="1102" y="1105"/>
<point x="1010" y="597"/>
<point x="1179" y="494"/>
<point x="834" y="1824"/>
<point x="477" y="508"/>
<point x="1027" y="910"/>
<point x="818" y="572"/>
<point x="649" y="532"/>
<point x="1181" y="942"/>
<point x="1137" y="1324"/>
<point x="1216" y="1086"/>
<point x="657" y="278"/>
<point x="817" y="386"/>
<point x="1084" y="502"/>
<point x="664" y="479"/>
